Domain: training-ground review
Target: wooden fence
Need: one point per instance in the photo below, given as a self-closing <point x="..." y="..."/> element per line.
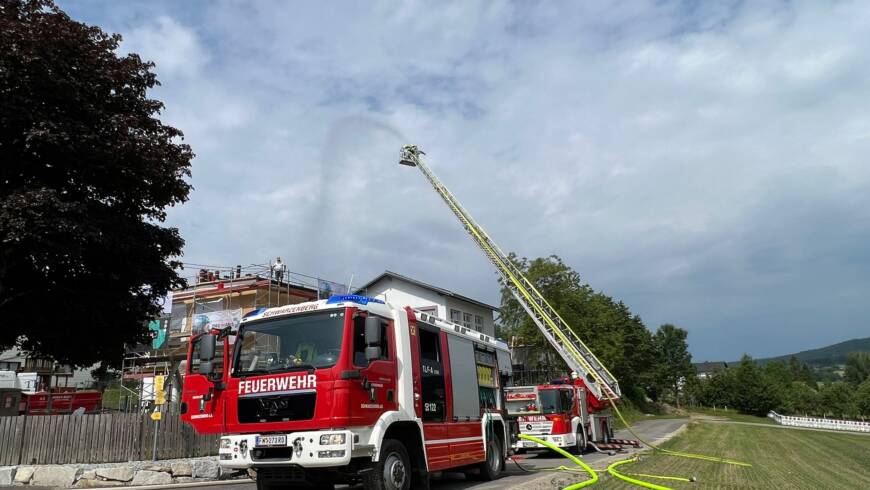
<point x="98" y="438"/>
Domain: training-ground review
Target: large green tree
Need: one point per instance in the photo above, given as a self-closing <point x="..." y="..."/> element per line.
<point x="616" y="336"/>
<point x="673" y="363"/>
<point x="755" y="393"/>
<point x="862" y="399"/>
<point x="838" y="400"/>
<point x="87" y="173"/>
<point x="800" y="399"/>
<point x="857" y="367"/>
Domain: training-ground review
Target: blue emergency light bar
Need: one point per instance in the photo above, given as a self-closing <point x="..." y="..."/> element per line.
<point x="353" y="298"/>
<point x="255" y="312"/>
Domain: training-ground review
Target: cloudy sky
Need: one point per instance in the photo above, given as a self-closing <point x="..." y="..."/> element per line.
<point x="706" y="162"/>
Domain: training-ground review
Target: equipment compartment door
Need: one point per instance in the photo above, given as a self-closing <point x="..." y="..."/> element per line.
<point x="434" y="398"/>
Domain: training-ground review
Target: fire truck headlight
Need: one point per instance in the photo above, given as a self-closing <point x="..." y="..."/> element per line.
<point x="331" y="439"/>
<point x="225" y="443"/>
<point x="331" y="454"/>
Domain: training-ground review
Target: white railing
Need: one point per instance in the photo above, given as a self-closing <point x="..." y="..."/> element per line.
<point x="816" y="423"/>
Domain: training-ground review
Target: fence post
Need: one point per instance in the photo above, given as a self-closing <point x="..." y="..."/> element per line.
<point x="156" y="432"/>
<point x="23" y="431"/>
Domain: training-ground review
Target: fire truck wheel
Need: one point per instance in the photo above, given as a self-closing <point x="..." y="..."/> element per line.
<point x="393" y="470"/>
<point x="262" y="485"/>
<point x="581" y="440"/>
<point x="491" y="468"/>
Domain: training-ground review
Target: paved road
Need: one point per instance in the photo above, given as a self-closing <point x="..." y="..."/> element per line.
<point x="651" y="430"/>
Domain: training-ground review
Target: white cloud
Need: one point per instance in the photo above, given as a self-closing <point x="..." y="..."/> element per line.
<point x="705" y="163"/>
<point x="174" y="47"/>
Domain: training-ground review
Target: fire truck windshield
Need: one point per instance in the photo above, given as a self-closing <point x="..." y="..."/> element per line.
<point x="554" y="401"/>
<point x="289" y="343"/>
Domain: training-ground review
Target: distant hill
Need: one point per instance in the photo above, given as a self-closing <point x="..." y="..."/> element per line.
<point x="826" y="356"/>
<point x="822" y="357"/>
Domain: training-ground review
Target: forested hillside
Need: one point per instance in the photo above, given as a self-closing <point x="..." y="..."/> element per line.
<point x="826" y="356"/>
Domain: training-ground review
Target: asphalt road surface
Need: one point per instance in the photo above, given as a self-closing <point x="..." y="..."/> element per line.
<point x="650" y="430"/>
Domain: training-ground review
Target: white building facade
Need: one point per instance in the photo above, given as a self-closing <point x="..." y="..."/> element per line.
<point x="402" y="290"/>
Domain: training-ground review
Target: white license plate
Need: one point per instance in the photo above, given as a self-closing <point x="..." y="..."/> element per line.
<point x="271" y="440"/>
<point x="529" y="444"/>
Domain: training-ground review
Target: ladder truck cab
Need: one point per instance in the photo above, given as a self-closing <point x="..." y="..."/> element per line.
<point x="350" y="390"/>
<point x="557" y="413"/>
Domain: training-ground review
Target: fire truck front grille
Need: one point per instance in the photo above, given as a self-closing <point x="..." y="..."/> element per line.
<point x="272" y="454"/>
<point x="290" y="473"/>
<point x="277" y="408"/>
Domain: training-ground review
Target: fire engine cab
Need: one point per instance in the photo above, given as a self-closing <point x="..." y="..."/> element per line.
<point x="559" y="413"/>
<point x="350" y="389"/>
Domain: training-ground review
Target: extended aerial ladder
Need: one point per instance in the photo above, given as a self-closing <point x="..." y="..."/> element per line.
<point x="602" y="384"/>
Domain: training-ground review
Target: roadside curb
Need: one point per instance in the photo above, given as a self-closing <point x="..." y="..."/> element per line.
<point x="554" y="479"/>
<point x="191" y="484"/>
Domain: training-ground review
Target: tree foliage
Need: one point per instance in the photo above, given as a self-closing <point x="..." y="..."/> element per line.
<point x="838" y="400"/>
<point x="673" y="363"/>
<point x="616" y="336"/>
<point x="756" y="393"/>
<point x="782" y="387"/>
<point x="88" y="172"/>
<point x="800" y="399"/>
<point x="857" y="368"/>
<point x="862" y="399"/>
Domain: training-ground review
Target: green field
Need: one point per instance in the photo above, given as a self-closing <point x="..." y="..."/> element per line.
<point x="731" y="414"/>
<point x="781" y="458"/>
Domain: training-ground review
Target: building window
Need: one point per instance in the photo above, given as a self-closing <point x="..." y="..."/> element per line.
<point x="9" y="366"/>
<point x="429" y="310"/>
<point x="478" y="323"/>
<point x="455" y="316"/>
<point x="466" y="320"/>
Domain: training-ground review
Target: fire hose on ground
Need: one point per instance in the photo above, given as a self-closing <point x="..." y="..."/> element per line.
<point x="611" y="469"/>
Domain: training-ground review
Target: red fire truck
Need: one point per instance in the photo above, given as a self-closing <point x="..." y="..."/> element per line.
<point x="347" y="390"/>
<point x="560" y="413"/>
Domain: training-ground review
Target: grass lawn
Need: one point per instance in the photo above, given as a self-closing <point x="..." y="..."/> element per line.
<point x="633" y="415"/>
<point x="781" y="459"/>
<point x="733" y="415"/>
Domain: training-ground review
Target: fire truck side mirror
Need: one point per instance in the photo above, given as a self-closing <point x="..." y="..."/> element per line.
<point x="373" y="337"/>
<point x="207" y="346"/>
<point x="205" y="367"/>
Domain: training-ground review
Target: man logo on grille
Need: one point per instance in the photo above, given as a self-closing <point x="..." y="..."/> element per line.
<point x="272" y="406"/>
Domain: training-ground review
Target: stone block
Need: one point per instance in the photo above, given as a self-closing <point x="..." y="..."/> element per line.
<point x="181" y="468"/>
<point x="148" y="477"/>
<point x="24" y="474"/>
<point x="55" y="476"/>
<point x="206" y="468"/>
<point x="117" y="473"/>
<point x="7" y="474"/>
<point x="93" y="483"/>
<point x="188" y="479"/>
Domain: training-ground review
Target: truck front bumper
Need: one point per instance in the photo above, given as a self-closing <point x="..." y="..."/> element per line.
<point x="559" y="440"/>
<point x="299" y="448"/>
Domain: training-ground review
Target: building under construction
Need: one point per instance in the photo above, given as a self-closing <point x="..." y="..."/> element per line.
<point x="211" y="292"/>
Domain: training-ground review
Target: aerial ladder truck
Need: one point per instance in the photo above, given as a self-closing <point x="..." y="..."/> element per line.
<point x="585" y="420"/>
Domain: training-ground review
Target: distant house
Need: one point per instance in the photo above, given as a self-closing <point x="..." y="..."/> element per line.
<point x="442" y="303"/>
<point x="706" y="369"/>
<point x="49" y="374"/>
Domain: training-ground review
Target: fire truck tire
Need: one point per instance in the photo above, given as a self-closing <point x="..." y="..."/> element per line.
<point x="393" y="470"/>
<point x="581" y="443"/>
<point x="491" y="468"/>
<point x="263" y="485"/>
